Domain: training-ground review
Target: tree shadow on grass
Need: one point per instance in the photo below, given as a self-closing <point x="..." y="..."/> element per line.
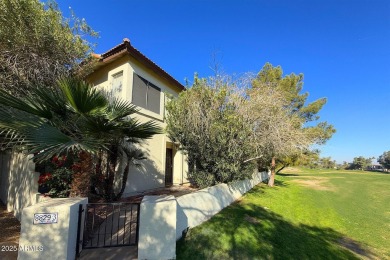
<point x="277" y="183"/>
<point x="248" y="231"/>
<point x="280" y="183"/>
<point x="288" y="174"/>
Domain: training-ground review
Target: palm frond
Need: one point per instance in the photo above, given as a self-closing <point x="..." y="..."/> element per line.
<point x="135" y="131"/>
<point x="101" y="127"/>
<point x="72" y="117"/>
<point x="34" y="108"/>
<point x="134" y="155"/>
<point x="37" y="136"/>
<point x="119" y="109"/>
<point x="81" y="97"/>
<point x="52" y="99"/>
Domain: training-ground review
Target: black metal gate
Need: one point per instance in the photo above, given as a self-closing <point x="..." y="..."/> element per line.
<point x="110" y="225"/>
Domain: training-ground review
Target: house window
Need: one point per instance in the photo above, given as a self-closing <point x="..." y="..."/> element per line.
<point x="145" y="94"/>
<point x="117" y="82"/>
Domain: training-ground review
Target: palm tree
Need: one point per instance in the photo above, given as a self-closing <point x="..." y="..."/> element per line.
<point x="74" y="118"/>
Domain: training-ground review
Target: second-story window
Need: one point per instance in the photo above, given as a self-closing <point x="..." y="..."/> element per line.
<point x="117" y="82"/>
<point x="145" y="94"/>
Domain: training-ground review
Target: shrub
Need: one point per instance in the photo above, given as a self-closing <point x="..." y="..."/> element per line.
<point x="56" y="177"/>
<point x="202" y="179"/>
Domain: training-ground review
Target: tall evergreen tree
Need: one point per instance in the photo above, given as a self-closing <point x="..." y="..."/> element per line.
<point x="286" y="90"/>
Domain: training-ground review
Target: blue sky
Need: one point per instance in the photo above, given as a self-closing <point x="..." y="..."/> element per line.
<point x="341" y="46"/>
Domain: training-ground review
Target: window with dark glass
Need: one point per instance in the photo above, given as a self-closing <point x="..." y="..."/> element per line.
<point x="146" y="94"/>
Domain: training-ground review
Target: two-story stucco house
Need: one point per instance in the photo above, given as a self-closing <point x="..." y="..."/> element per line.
<point x="127" y="73"/>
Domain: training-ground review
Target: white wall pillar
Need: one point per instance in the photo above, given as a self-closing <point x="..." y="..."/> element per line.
<point x="54" y="240"/>
<point x="18" y="181"/>
<point x="157" y="228"/>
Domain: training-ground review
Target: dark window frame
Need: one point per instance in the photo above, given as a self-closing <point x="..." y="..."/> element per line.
<point x="152" y="93"/>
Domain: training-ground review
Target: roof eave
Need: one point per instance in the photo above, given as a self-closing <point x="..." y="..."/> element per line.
<point x="126" y="48"/>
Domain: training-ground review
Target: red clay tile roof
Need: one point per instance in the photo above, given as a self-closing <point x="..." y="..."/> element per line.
<point x="126" y="48"/>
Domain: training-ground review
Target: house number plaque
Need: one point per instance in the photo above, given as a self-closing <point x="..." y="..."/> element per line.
<point x="45" y="218"/>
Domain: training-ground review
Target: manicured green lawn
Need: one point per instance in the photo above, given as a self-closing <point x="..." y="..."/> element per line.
<point x="310" y="214"/>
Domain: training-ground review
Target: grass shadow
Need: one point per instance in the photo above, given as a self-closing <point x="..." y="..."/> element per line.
<point x="288" y="174"/>
<point x="249" y="231"/>
<point x="280" y="183"/>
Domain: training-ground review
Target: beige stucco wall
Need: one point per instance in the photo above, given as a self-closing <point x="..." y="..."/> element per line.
<point x="52" y="240"/>
<point x="18" y="181"/>
<point x="152" y="175"/>
<point x="195" y="208"/>
<point x="157" y="228"/>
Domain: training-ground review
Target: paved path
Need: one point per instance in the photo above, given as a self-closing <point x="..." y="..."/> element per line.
<point x="110" y="253"/>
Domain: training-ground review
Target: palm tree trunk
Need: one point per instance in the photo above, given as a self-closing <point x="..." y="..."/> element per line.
<point x="111" y="164"/>
<point x="81" y="183"/>
<point x="271" y="180"/>
<point x="124" y="181"/>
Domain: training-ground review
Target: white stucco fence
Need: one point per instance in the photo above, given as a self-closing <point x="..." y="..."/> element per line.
<point x="157" y="236"/>
<point x="195" y="208"/>
<point x="164" y="218"/>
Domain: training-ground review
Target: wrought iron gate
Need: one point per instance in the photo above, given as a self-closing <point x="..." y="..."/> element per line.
<point x="110" y="225"/>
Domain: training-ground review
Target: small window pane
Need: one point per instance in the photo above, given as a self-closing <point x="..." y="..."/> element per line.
<point x="117" y="82"/>
<point x="139" y="91"/>
<point x="154" y="98"/>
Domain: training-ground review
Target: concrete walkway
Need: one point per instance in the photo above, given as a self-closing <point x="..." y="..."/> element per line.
<point x="110" y="253"/>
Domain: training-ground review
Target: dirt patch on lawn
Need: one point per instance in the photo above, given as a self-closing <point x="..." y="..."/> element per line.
<point x="356" y="248"/>
<point x="252" y="219"/>
<point x="291" y="170"/>
<point x="316" y="184"/>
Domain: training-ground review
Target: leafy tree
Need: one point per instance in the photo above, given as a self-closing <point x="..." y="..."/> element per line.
<point x="384" y="160"/>
<point x="38" y="45"/>
<point x="75" y="119"/>
<point x="290" y="160"/>
<point x="310" y="158"/>
<point x="204" y="121"/>
<point x="360" y="163"/>
<point x="276" y="131"/>
<point x="345" y="165"/>
<point x="224" y="124"/>
<point x="300" y="128"/>
<point x="327" y="163"/>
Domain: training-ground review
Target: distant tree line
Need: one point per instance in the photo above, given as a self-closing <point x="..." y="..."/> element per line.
<point x="362" y="163"/>
<point x="313" y="160"/>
